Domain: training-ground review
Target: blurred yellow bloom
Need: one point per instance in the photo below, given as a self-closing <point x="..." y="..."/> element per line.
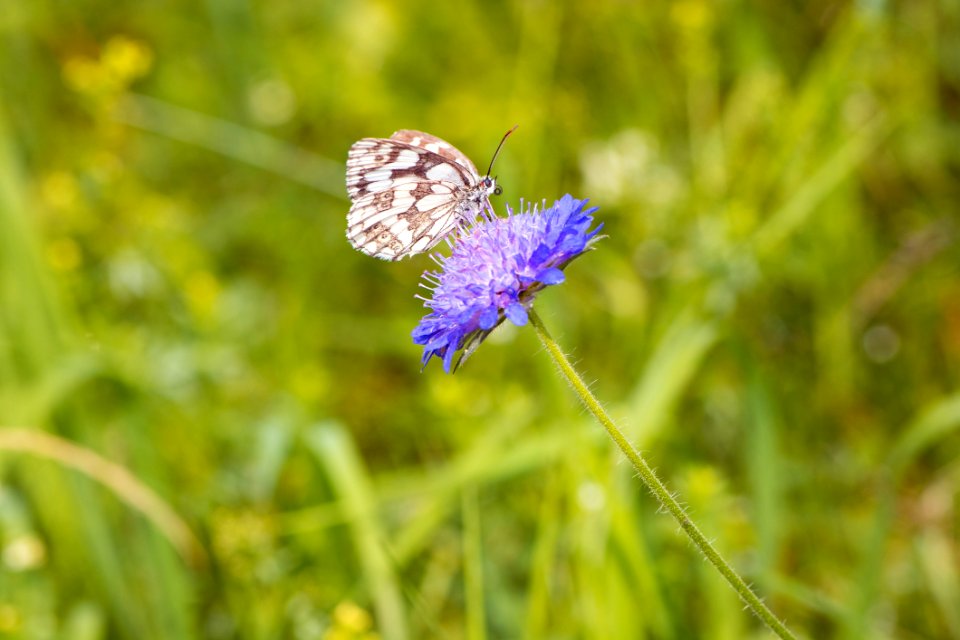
<point x="82" y="74"/>
<point x="10" y="618"/>
<point x="351" y="616"/>
<point x="309" y="382"/>
<point x="122" y="61"/>
<point x="202" y="290"/>
<point x="691" y="14"/>
<point x="351" y="622"/>
<point x="126" y="59"/>
<point x="59" y="190"/>
<point x="64" y="254"/>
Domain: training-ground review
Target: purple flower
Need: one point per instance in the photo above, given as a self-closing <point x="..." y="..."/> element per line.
<point x="493" y="273"/>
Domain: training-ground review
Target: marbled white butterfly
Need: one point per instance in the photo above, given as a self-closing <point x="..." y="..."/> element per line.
<point x="411" y="190"/>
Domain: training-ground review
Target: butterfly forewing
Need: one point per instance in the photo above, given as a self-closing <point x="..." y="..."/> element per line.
<point x="408" y="192"/>
<point x="438" y="146"/>
<point x="375" y="164"/>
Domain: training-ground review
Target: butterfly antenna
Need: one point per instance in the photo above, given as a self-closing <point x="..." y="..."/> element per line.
<point x="500" y="146"/>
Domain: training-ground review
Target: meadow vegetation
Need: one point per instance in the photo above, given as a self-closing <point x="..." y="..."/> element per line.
<point x="213" y="422"/>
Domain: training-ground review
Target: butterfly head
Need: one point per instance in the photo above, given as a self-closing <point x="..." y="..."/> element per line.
<point x="489" y="186"/>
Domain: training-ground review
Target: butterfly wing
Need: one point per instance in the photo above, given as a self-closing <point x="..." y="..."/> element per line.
<point x="379" y="164"/>
<point x="408" y="192"/>
<point x="438" y="146"/>
<point x="407" y="218"/>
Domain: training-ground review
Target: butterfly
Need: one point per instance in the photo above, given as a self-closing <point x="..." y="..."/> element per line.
<point x="411" y="190"/>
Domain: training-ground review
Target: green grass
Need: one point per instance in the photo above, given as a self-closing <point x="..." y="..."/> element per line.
<point x="774" y="319"/>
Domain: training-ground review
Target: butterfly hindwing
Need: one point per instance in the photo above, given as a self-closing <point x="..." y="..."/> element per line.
<point x="410" y="218"/>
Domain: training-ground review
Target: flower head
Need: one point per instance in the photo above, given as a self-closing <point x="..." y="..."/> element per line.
<point x="493" y="273"/>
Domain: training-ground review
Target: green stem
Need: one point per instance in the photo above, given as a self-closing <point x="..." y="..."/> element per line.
<point x="656" y="487"/>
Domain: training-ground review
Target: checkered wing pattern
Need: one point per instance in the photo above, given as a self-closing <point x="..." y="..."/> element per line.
<point x="408" y="192"/>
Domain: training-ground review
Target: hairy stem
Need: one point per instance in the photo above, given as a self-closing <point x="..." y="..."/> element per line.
<point x="655" y="486"/>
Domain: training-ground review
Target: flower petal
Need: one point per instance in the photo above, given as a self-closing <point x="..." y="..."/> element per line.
<point x="516" y="313"/>
<point x="494" y="265"/>
<point x="488" y="319"/>
<point x="552" y="276"/>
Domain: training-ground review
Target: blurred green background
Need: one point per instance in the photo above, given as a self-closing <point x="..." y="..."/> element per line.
<point x="214" y="420"/>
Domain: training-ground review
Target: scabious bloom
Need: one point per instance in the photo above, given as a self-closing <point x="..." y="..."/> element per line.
<point x="493" y="273"/>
